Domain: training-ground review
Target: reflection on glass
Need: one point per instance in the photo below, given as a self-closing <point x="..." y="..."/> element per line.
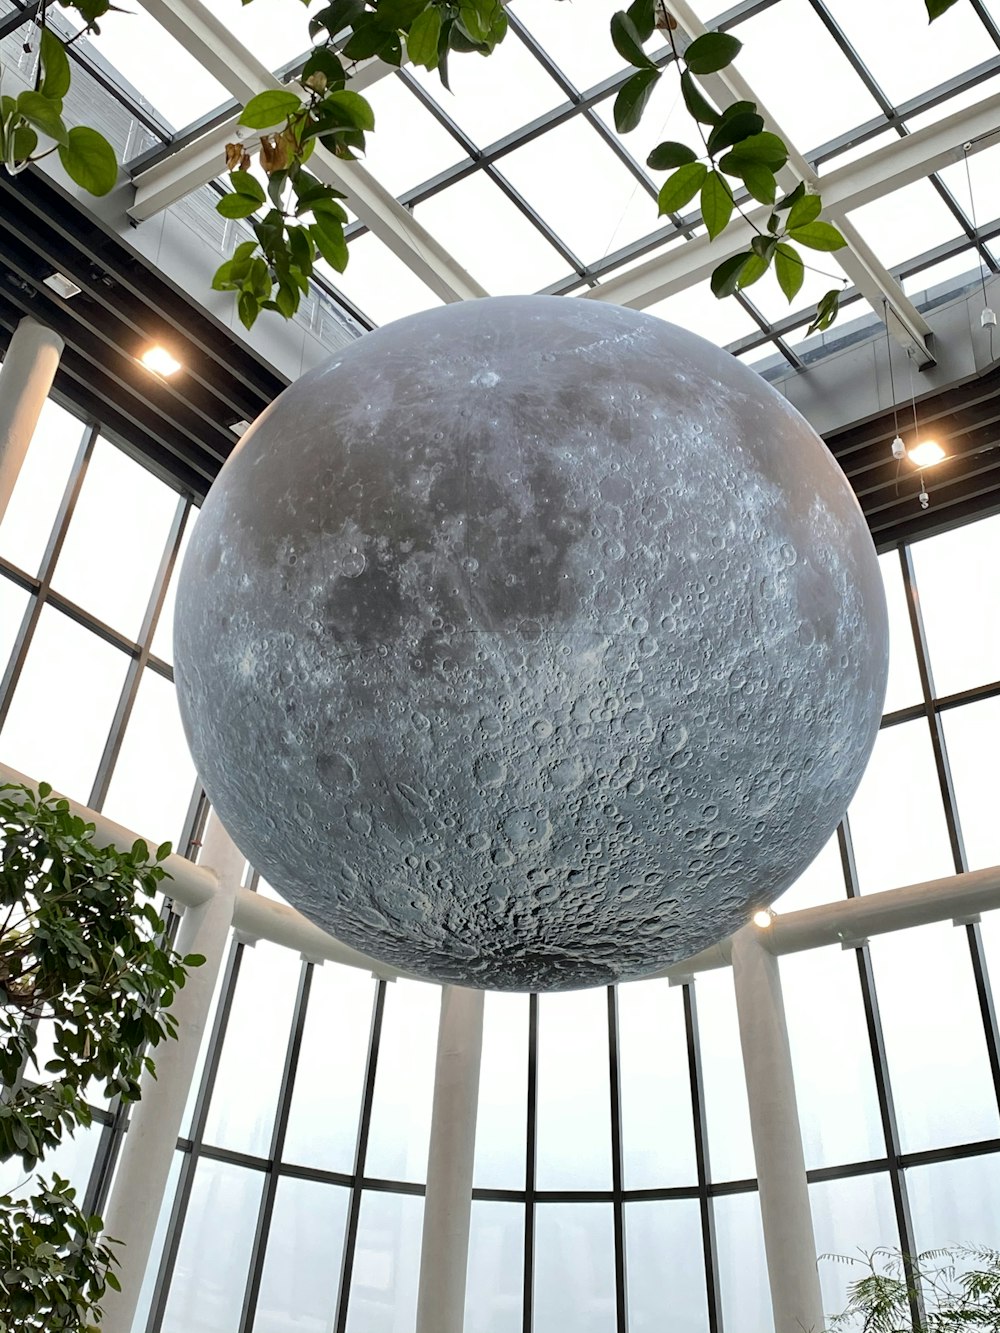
<point x="934" y="1040"/>
<point x="831" y="1058"/>
<point x="386" y="1264"/>
<point x="851" y="1217"/>
<point x="112" y="552"/>
<point x="963" y="633"/>
<point x="903" y="688"/>
<point x="730" y="1148"/>
<point x="213" y="1259"/>
<point x="156" y="1249"/>
<point x="501" y="1125"/>
<point x="154" y="777"/>
<point x="245" y="1096"/>
<point x="494" y="1293"/>
<point x="574" y="1267"/>
<point x="31" y="511"/>
<point x="301" y="1274"/>
<point x="574" y="1092"/>
<point x="404" y="1082"/>
<point x="657" y="1126"/>
<point x="896" y="818"/>
<point x="666" y="1267"/>
<point x="326" y="1101"/>
<point x="954" y="1203"/>
<point x="72" y="679"/>
<point x="743" y="1287"/>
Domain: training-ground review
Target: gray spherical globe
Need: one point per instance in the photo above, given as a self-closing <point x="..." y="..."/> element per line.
<point x="531" y="643"/>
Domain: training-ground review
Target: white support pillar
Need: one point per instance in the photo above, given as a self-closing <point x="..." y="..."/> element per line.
<point x="777" y="1138"/>
<point x="25" y="380"/>
<point x="444" y="1254"/>
<point x="148" y="1148"/>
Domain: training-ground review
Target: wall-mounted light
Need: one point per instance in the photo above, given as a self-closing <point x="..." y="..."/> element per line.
<point x="927" y="453"/>
<point x="159" y="361"/>
<point x="763" y="918"/>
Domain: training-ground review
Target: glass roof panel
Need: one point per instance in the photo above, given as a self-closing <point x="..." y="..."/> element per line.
<point x="984" y="170"/>
<point x="576" y="34"/>
<point x="906" y="223"/>
<point x="961" y="266"/>
<point x="905" y="53"/>
<point x="822" y="272"/>
<point x="273" y="30"/>
<point x="378" y="283"/>
<point x="721" y="322"/>
<point x="788" y="86"/>
<point x="168" y="77"/>
<point x="408" y="145"/>
<point x="490" y="98"/>
<point x="503" y="249"/>
<point x="664" y="118"/>
<point x="582" y="189"/>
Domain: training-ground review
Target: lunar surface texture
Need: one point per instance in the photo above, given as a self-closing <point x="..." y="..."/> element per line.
<point x="531" y="643"/>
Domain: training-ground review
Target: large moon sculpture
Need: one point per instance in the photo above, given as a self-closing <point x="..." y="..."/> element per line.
<point x="531" y="643"/>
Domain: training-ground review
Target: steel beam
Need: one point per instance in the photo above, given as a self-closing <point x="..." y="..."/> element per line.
<point x="211" y="43"/>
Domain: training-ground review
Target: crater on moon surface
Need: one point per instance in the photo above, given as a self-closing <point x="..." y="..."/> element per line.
<point x="531" y="643"/>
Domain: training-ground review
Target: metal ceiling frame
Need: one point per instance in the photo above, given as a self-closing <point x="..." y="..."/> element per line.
<point x="212" y="44"/>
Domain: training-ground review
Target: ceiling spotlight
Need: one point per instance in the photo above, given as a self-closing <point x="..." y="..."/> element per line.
<point x="159" y="361"/>
<point x="61" y="285"/>
<point x="927" y="454"/>
<point x="763" y="918"/>
<point x="240" y="428"/>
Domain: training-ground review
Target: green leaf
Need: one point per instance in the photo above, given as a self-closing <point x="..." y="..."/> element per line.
<point x="679" y="189"/>
<point x="423" y="37"/>
<point x="667" y="155"/>
<point x="44" y="114"/>
<point x="760" y="181"/>
<point x="818" y="236"/>
<point x="712" y="51"/>
<point x="732" y="129"/>
<point x="826" y="312"/>
<point x="725" y="279"/>
<point x="765" y="147"/>
<point x="792" y="197"/>
<point x="89" y="160"/>
<point x="753" y="270"/>
<point x="696" y="102"/>
<point x="245" y="184"/>
<point x="248" y="309"/>
<point x="330" y="242"/>
<point x="628" y="41"/>
<point x="804" y="210"/>
<point x="268" y="109"/>
<point x="643" y="15"/>
<point x="789" y="270"/>
<point x="55" y="66"/>
<point x="632" y="99"/>
<point x="350" y="109"/>
<point x="236" y="206"/>
<point x="935" y="8"/>
<point x="716" y="204"/>
<point x="24" y="144"/>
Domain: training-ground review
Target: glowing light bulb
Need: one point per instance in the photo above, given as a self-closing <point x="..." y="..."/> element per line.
<point x="763" y="918"/>
<point x="159" y="361"/>
<point x="927" y="454"/>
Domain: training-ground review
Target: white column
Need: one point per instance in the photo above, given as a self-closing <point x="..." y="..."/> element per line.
<point x="149" y="1144"/>
<point x="25" y="380"/>
<point x="444" y="1254"/>
<point x="777" y="1139"/>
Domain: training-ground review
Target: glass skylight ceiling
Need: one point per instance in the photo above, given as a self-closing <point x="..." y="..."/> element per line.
<point x="521" y="175"/>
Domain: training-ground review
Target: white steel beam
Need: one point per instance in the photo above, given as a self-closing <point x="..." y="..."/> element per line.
<point x="857" y="259"/>
<point x="203" y="159"/>
<point x="213" y="45"/>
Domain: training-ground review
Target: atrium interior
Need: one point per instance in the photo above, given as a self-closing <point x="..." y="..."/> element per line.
<point x="615" y="1179"/>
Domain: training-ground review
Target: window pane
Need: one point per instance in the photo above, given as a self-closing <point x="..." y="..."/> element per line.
<point x="896" y="818"/>
<point x="850" y="1217"/>
<point x="972" y="735"/>
<point x="156" y="1249"/>
<point x="743" y="1287"/>
<point x="963" y="632"/>
<point x="936" y="1050"/>
<point x="27" y="524"/>
<point x="955" y="1203"/>
<point x="323" y="1119"/>
<point x="73" y="1158"/>
<point x="666" y="1267"/>
<point x="154" y="777"/>
<point x="904" y="678"/>
<point x="63" y="705"/>
<point x="386" y="1264"/>
<point x="502" y="1125"/>
<point x="574" y="1093"/>
<point x="163" y="636"/>
<point x="116" y="539"/>
<point x="574" y="1267"/>
<point x="210" y="1275"/>
<point x="404" y="1082"/>
<point x="301" y="1275"/>
<point x="831" y="1058"/>
<point x="657" y="1127"/>
<point x="821" y="882"/>
<point x="494" y="1294"/>
<point x="730" y="1148"/>
<point x="245" y="1096"/>
<point x="13" y="604"/>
